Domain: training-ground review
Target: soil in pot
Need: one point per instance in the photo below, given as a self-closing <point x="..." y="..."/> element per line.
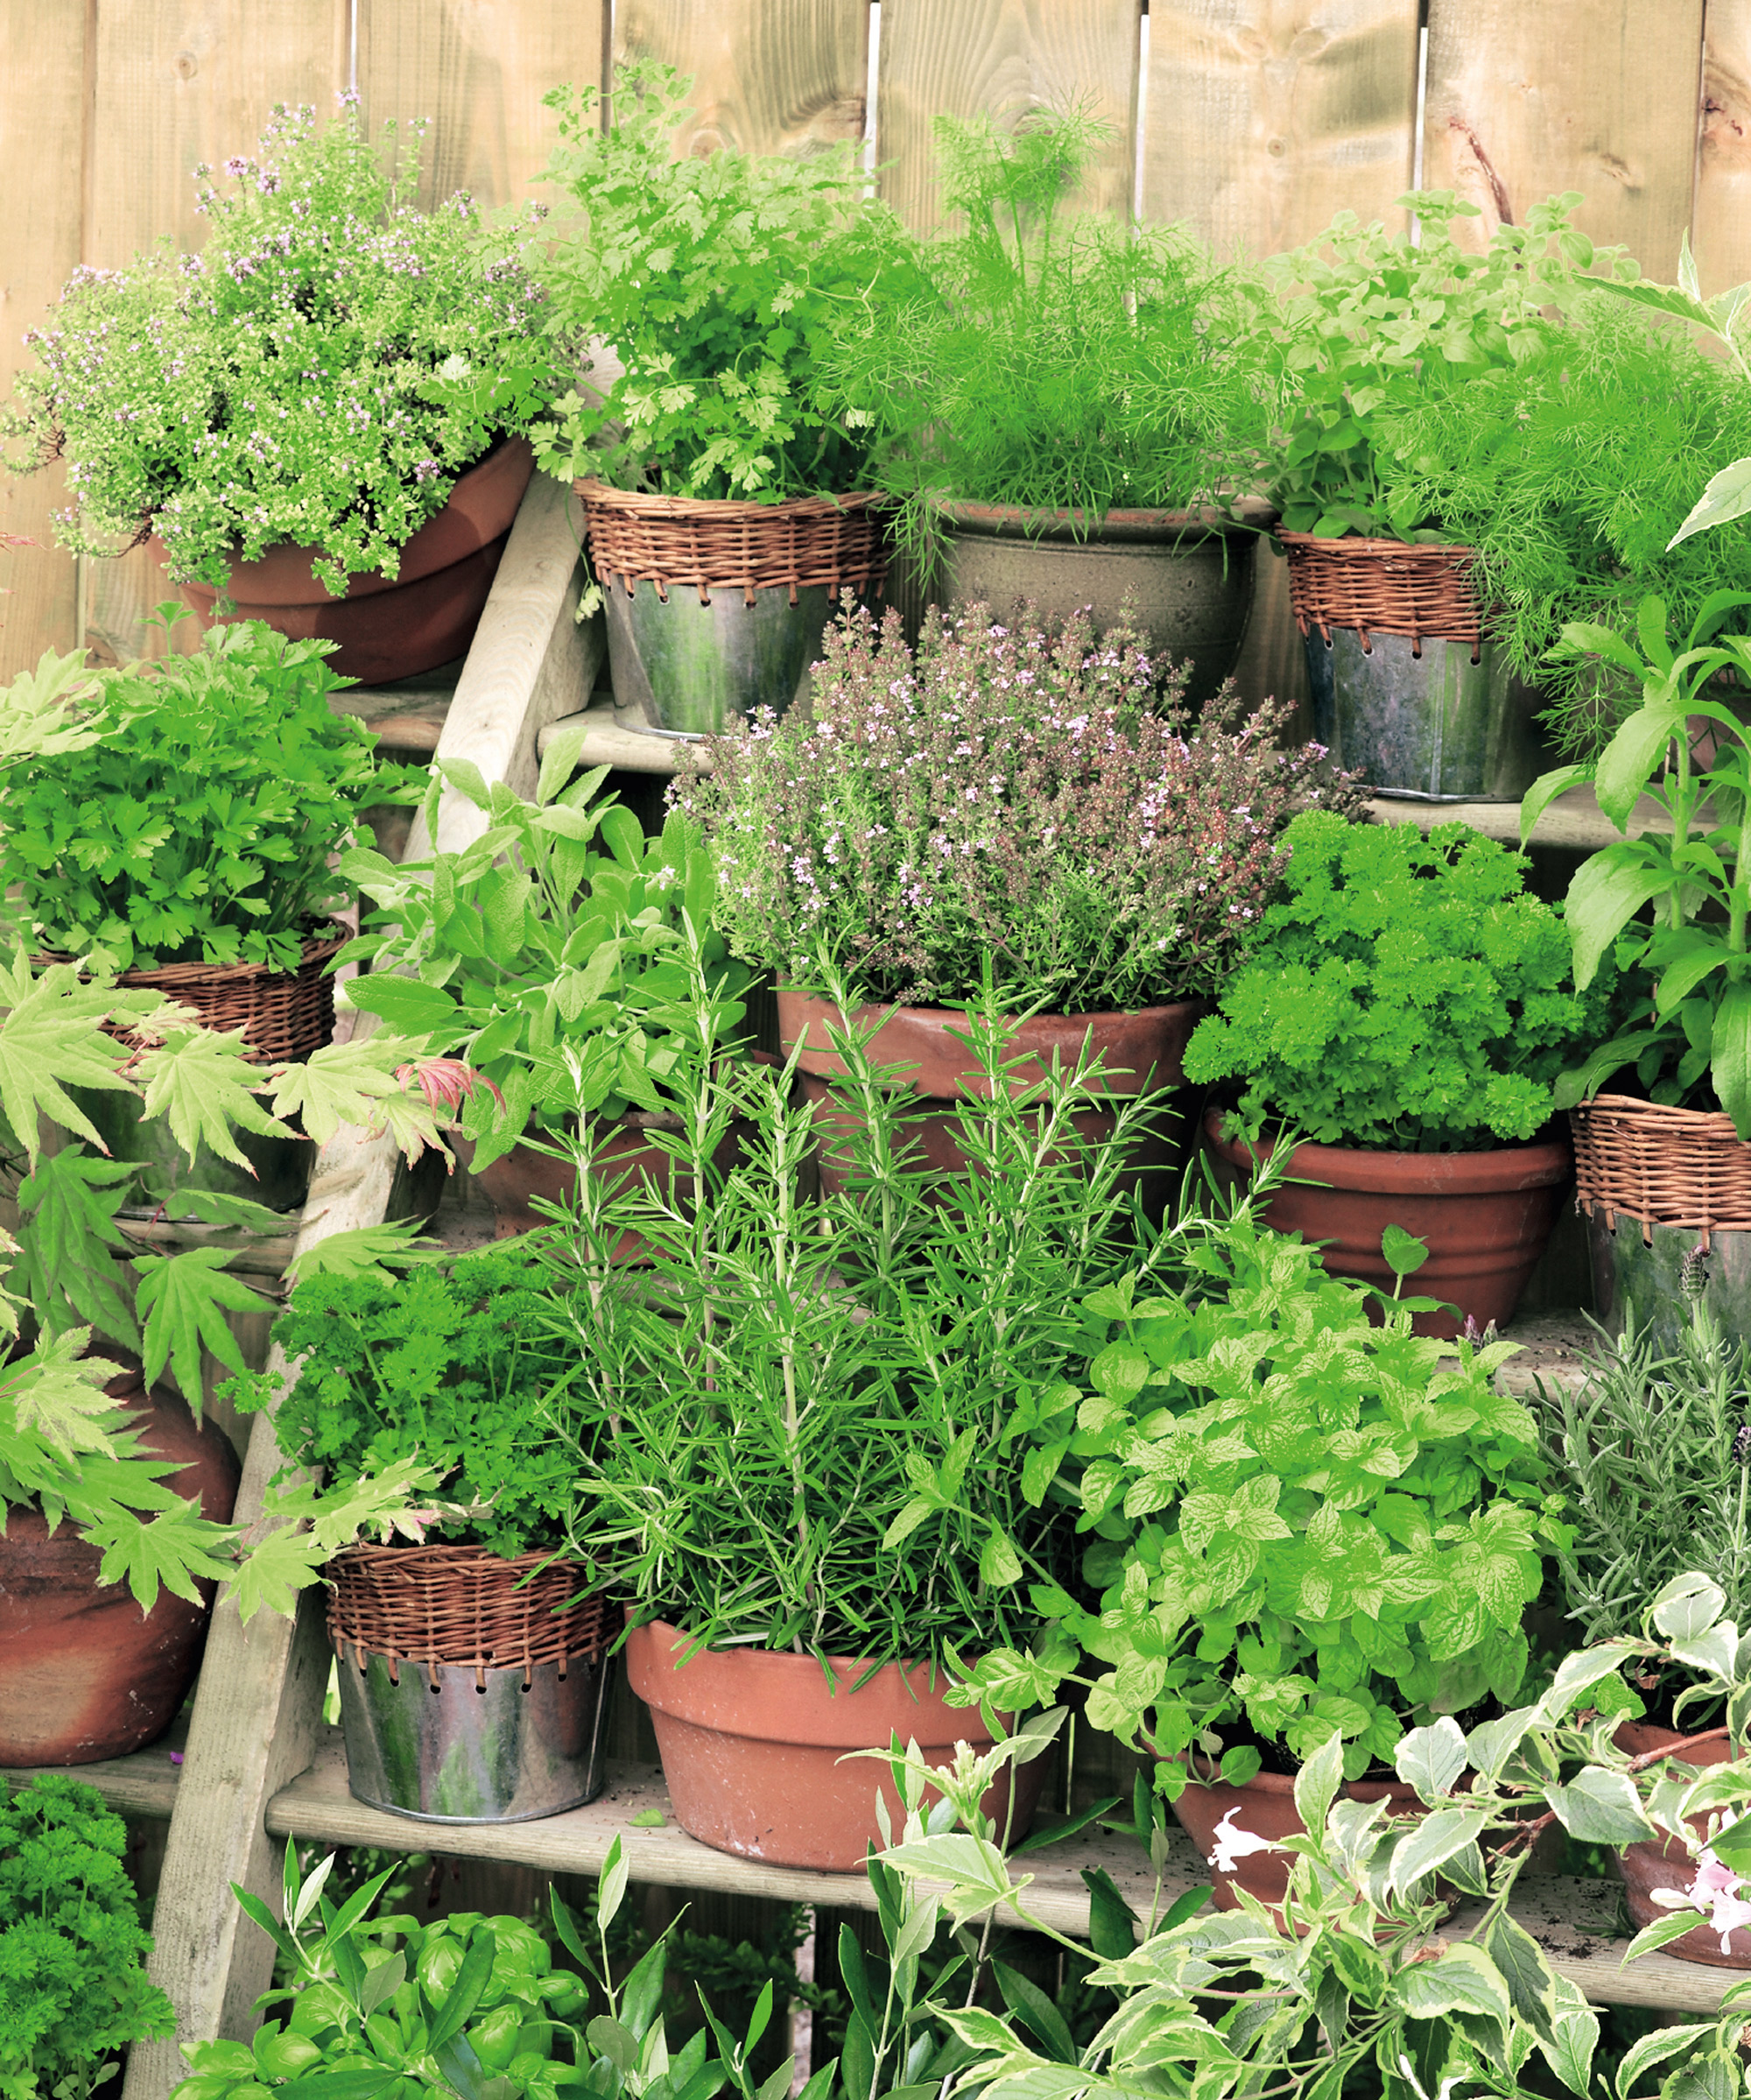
<point x="751" y="1743"/>
<point x="1646" y="1866"/>
<point x="1141" y="1052"/>
<point x="1264" y="1807"/>
<point x="391" y="628"/>
<point x="1189" y="573"/>
<point x="83" y="1673"/>
<point x="1487" y="1216"/>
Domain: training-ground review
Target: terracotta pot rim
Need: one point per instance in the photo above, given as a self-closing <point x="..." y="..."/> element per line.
<point x="1053" y="526"/>
<point x="936" y="1015"/>
<point x="1540" y="1163"/>
<point x="781" y="1661"/>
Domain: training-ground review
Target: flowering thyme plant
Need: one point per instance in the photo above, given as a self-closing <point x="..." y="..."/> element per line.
<point x="275" y="387"/>
<point x="1002" y="794"/>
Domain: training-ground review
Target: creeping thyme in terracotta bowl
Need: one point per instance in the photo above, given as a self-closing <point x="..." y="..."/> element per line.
<point x="1011" y="801"/>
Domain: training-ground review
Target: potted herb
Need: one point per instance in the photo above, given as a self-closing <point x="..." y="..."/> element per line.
<point x="460" y="1370"/>
<point x="190" y="847"/>
<point x="74" y="1991"/>
<point x="1408" y="689"/>
<point x="545" y="955"/>
<point x="1301" y="1528"/>
<point x="1063" y="411"/>
<point x="1016" y="803"/>
<point x="725" y="506"/>
<point x="809" y="1485"/>
<point x="270" y="408"/>
<point x="1665" y="1150"/>
<point x="1404" y="1011"/>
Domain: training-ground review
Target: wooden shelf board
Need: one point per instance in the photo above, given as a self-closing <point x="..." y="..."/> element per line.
<point x="408" y="715"/>
<point x="607" y="741"/>
<point x="1572" y="822"/>
<point x="144" y="1784"/>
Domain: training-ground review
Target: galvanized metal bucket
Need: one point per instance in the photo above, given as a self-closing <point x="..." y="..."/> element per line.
<point x="476" y="1745"/>
<point x="281" y="1178"/>
<point x="1428" y="727"/>
<point x="685" y="669"/>
<point x="1628" y="1270"/>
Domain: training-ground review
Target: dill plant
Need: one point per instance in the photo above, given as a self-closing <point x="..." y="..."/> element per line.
<point x="1047" y="363"/>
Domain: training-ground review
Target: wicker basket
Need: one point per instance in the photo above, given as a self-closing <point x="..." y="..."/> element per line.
<point x="1383" y="586"/>
<point x="463" y="1606"/>
<point x="706" y="546"/>
<point x="1661" y="1166"/>
<point x="284" y="1016"/>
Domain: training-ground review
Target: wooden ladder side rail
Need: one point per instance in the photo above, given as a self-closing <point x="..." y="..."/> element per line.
<point x="258" y="1702"/>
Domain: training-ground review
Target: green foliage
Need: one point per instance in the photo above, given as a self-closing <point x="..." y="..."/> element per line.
<point x="1685" y="968"/>
<point x="1403" y="992"/>
<point x="1570" y="476"/>
<point x="1014" y="803"/>
<point x="457" y="1364"/>
<point x="73" y="1990"/>
<point x="552" y="967"/>
<point x="200" y="827"/>
<point x="1302" y="1527"/>
<point x="283" y="385"/>
<point x="1371" y="322"/>
<point x="716" y="282"/>
<point x="817" y="1408"/>
<point x="1035" y="362"/>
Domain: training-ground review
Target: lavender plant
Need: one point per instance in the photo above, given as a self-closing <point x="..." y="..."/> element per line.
<point x="285" y="384"/>
<point x="1016" y="797"/>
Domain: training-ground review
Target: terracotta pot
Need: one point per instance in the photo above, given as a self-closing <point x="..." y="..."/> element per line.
<point x="513" y="1180"/>
<point x="1487" y="1216"/>
<point x="1141" y="1051"/>
<point x="391" y="627"/>
<point x="1265" y="1807"/>
<point x="751" y="1741"/>
<point x="84" y="1673"/>
<point x="1647" y="1866"/>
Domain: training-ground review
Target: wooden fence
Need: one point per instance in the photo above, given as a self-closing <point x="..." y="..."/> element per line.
<point x="1255" y="120"/>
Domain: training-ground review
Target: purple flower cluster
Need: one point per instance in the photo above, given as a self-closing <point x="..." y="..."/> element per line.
<point x="1019" y="795"/>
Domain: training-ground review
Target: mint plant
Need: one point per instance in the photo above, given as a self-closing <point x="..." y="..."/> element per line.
<point x="553" y="968"/>
<point x="1301" y="1528"/>
<point x="200" y="826"/>
<point x="1402" y="992"/>
<point x="716" y="283"/>
<point x="74" y="1991"/>
<point x="283" y="384"/>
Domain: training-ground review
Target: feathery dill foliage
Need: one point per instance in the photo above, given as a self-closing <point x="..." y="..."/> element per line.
<point x="1005" y="799"/>
<point x="275" y="386"/>
<point x="1654" y="1458"/>
<point x="1569" y="473"/>
<point x="1082" y="365"/>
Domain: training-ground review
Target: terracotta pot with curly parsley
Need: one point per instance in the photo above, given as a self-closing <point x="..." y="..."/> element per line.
<point x="1401" y="1018"/>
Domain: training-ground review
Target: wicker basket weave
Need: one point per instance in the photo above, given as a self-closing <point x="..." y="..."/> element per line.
<point x="1383" y="586"/>
<point x="283" y="1015"/>
<point x="706" y="546"/>
<point x="462" y="1606"/>
<point x="1661" y="1166"/>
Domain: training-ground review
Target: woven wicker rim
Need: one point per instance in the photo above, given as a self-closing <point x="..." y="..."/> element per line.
<point x="1383" y="586"/>
<point x="461" y="1606"/>
<point x="706" y="543"/>
<point x="1686" y="1167"/>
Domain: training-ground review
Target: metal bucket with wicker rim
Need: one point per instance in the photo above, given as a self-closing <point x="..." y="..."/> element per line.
<point x="1407" y="690"/>
<point x="1666" y="1194"/>
<point x="473" y="1688"/>
<point x="715" y="607"/>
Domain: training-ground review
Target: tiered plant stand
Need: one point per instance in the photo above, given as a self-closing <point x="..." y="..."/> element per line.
<point x="254" y="1765"/>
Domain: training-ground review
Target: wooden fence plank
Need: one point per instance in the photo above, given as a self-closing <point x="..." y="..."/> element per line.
<point x="1595" y="96"/>
<point x="1722" y="220"/>
<point x="478" y="70"/>
<point x="769" y="76"/>
<point x="1002" y="57"/>
<point x="175" y="82"/>
<point x="42" y="124"/>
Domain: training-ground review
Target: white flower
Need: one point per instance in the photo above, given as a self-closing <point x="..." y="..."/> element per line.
<point x="1716" y="1889"/>
<point x="1234" y="1844"/>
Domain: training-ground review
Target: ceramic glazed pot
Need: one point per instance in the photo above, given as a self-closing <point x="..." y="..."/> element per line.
<point x="1265" y="1807"/>
<point x="83" y="1673"/>
<point x="514" y="1181"/>
<point x="1190" y="573"/>
<point x="751" y="1741"/>
<point x="391" y="628"/>
<point x="1141" y="1052"/>
<point x="1487" y="1216"/>
<point x="1647" y="1866"/>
